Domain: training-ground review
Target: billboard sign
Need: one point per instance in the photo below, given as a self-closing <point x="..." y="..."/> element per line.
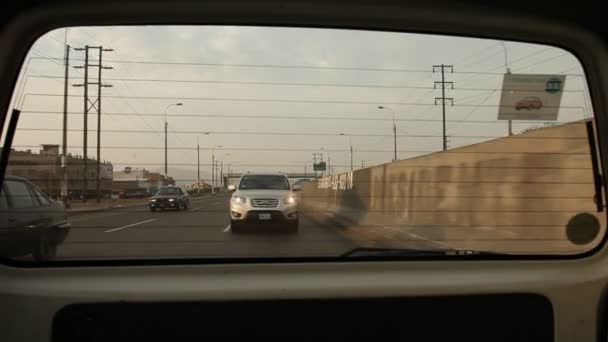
<point x="321" y="166"/>
<point x="531" y="97"/>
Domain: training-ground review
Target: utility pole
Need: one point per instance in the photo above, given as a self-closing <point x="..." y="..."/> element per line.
<point x="90" y="104"/>
<point x="394" y="132"/>
<point x="198" y="166"/>
<point x="508" y="71"/>
<point x="351" y="157"/>
<point x="217" y="173"/>
<point x="64" y="152"/>
<point x="395" y="138"/>
<point x="212" y="173"/>
<point x="166" y="168"/>
<point x="443" y="99"/>
<point x="222" y="173"/>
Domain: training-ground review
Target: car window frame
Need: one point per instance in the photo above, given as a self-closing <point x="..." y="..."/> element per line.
<point x="567" y="36"/>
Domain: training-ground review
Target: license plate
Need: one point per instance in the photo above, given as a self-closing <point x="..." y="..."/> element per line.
<point x="264" y="216"/>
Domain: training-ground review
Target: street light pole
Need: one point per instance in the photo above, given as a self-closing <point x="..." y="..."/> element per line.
<point x="213" y="169"/>
<point x="166" y="126"/>
<point x="350" y="140"/>
<point x="351" y="155"/>
<point x="508" y="71"/>
<point x="198" y="162"/>
<point x="198" y="166"/>
<point x="223" y="182"/>
<point x="394" y="132"/>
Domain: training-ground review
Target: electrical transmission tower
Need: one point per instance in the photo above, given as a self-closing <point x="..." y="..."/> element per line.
<point x="92" y="103"/>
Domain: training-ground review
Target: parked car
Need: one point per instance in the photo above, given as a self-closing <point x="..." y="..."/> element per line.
<point x="30" y="222"/>
<point x="169" y="197"/>
<point x="530" y="102"/>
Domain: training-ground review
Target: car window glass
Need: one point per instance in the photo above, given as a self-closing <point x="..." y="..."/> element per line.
<point x="42" y="199"/>
<point x="168" y="192"/>
<point x="264" y="182"/>
<point x="464" y="143"/>
<point x="19" y="194"/>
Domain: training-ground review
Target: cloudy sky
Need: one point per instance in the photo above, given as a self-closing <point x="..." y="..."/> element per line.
<point x="271" y="97"/>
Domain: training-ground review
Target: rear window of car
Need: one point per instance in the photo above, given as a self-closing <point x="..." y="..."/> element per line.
<point x="20" y="194"/>
<point x="400" y="143"/>
<point x="168" y="192"/>
<point x="264" y="182"/>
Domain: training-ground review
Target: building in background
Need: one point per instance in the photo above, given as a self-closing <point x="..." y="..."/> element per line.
<point x="133" y="182"/>
<point x="44" y="170"/>
<point x="197" y="188"/>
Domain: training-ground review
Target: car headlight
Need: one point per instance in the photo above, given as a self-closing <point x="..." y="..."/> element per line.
<point x="290" y="200"/>
<point x="153" y="200"/>
<point x="239" y="200"/>
<point x="171" y="199"/>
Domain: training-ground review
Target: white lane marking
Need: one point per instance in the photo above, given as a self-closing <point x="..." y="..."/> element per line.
<point x="194" y="209"/>
<point x="130" y="225"/>
<point x="227" y="229"/>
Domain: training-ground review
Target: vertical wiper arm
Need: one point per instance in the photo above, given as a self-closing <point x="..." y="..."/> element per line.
<point x="595" y="167"/>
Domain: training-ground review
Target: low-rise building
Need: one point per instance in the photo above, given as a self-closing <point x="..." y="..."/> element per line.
<point x="138" y="181"/>
<point x="45" y="170"/>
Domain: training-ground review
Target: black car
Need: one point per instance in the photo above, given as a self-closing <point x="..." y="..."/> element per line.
<point x="169" y="197"/>
<point x="30" y="222"/>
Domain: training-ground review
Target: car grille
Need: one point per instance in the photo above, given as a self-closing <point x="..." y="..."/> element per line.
<point x="264" y="202"/>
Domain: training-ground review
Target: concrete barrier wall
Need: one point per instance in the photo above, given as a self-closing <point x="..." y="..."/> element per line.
<point x="514" y="194"/>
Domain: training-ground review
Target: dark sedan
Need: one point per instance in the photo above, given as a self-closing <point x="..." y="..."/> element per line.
<point x="30" y="222"/>
<point x="169" y="197"/>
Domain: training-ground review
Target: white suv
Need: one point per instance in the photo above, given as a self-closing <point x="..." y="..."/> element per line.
<point x="263" y="199"/>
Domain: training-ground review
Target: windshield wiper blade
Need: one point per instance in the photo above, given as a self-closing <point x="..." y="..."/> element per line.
<point x="595" y="166"/>
<point x="375" y="251"/>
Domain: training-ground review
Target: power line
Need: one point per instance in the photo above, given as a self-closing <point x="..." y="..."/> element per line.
<point x="512" y="62"/>
<point x="299" y="66"/>
<point x="284" y="100"/>
<point x="542" y="61"/>
<point x="121" y="97"/>
<point x="283" y="117"/>
<point x="283" y="149"/>
<point x="476" y="62"/>
<point x="274" y="133"/>
<point x="473" y="110"/>
<point x="289" y="84"/>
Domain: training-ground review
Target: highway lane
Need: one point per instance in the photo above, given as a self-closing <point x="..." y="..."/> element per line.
<point x="201" y="231"/>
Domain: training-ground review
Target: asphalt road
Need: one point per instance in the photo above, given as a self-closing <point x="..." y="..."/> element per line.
<point x="204" y="231"/>
<point x="201" y="231"/>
